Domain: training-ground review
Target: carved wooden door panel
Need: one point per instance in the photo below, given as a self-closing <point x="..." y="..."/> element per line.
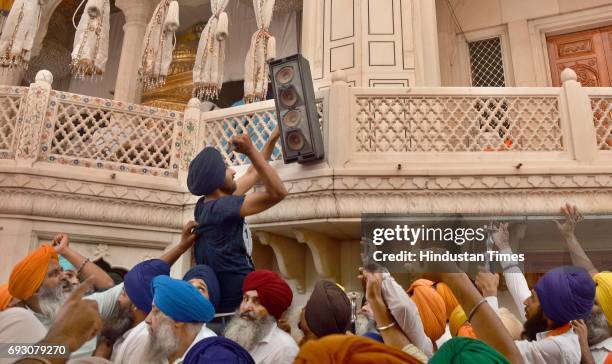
<point x="589" y="53"/>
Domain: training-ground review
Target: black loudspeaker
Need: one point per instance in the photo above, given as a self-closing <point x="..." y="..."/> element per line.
<point x="296" y="110"/>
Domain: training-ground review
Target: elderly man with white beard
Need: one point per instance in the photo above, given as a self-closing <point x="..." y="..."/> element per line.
<point x="37" y="281"/>
<point x="177" y="321"/>
<point x="266" y="296"/>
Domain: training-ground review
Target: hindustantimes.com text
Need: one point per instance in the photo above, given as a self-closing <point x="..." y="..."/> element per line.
<point x="413" y="235"/>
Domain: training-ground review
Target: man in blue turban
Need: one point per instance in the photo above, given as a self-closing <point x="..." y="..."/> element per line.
<point x="225" y="240"/>
<point x="126" y="333"/>
<point x="218" y="350"/>
<point x="205" y="280"/>
<point x="177" y="319"/>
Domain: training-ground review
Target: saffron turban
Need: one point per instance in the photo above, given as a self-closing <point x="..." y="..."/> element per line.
<point x="336" y="349"/>
<point x="137" y="282"/>
<point x="218" y="350"/>
<point x="566" y="293"/>
<point x="450" y="301"/>
<point x="180" y="300"/>
<point x="206" y="172"/>
<point x="459" y="350"/>
<point x="5" y="296"/>
<point x="206" y="273"/>
<point x="603" y="292"/>
<point x="432" y="308"/>
<point x="328" y="310"/>
<point x="274" y="293"/>
<point x="30" y="272"/>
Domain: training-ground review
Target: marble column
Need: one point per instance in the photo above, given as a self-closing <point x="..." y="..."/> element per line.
<point x="137" y="15"/>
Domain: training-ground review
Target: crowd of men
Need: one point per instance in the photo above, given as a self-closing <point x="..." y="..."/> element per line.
<point x="225" y="311"/>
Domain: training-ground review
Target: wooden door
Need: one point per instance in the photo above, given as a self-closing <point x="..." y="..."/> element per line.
<point x="589" y="53"/>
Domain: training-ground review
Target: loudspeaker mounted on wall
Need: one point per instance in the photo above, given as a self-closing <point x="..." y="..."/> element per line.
<point x="296" y="110"/>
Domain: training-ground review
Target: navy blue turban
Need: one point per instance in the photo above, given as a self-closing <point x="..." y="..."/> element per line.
<point x="206" y="273"/>
<point x="137" y="282"/>
<point x="218" y="350"/>
<point x="180" y="300"/>
<point x="566" y="293"/>
<point x="206" y="172"/>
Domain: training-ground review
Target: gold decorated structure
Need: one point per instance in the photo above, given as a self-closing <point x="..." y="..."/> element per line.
<point x="177" y="90"/>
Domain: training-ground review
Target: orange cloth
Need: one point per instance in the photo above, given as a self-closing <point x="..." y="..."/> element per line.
<point x="432" y="308"/>
<point x="450" y="301"/>
<point x="560" y="330"/>
<point x="467" y="331"/>
<point x="336" y="349"/>
<point x="30" y="272"/>
<point x="5" y="296"/>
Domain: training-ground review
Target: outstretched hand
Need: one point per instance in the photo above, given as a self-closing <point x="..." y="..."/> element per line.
<point x="572" y="218"/>
<point x="501" y="236"/>
<point x="242" y="144"/>
<point x="487" y="283"/>
<point x="188" y="236"/>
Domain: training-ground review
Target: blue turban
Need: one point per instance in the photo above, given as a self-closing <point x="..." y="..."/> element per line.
<point x="65" y="264"/>
<point x="137" y="282"/>
<point x="217" y="350"/>
<point x="180" y="300"/>
<point x="374" y="336"/>
<point x="566" y="293"/>
<point x="206" y="172"/>
<point x="206" y="273"/>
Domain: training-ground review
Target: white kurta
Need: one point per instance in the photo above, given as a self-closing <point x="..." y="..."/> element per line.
<point x="277" y="347"/>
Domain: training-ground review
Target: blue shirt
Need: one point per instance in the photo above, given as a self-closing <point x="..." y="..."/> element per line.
<point x="223" y="231"/>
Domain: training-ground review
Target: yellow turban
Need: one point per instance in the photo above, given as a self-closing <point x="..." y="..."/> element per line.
<point x="431" y="307"/>
<point x="336" y="349"/>
<point x="450" y="301"/>
<point x="5" y="296"/>
<point x="30" y="272"/>
<point x="456" y="320"/>
<point x="603" y="293"/>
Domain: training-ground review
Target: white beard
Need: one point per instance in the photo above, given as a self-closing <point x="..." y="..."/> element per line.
<point x="363" y="325"/>
<point x="51" y="300"/>
<point x="163" y="343"/>
<point x="247" y="333"/>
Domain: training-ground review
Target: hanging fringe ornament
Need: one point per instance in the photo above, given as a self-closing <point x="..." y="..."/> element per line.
<point x="263" y="48"/>
<point x="208" y="68"/>
<point x="90" y="50"/>
<point x="18" y="33"/>
<point x="159" y="45"/>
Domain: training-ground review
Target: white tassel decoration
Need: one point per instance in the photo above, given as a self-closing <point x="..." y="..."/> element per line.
<point x="222" y="27"/>
<point x="271" y="48"/>
<point x="90" y="50"/>
<point x="171" y="24"/>
<point x="18" y="33"/>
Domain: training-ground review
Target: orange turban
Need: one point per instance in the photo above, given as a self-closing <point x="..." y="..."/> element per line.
<point x="431" y="307"/>
<point x="336" y="349"/>
<point x="5" y="296"/>
<point x="466" y="331"/>
<point x="30" y="272"/>
<point x="450" y="301"/>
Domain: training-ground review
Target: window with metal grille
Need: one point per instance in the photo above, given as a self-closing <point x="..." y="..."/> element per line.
<point x="487" y="64"/>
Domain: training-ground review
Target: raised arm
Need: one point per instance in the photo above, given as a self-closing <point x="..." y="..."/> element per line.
<point x="567" y="228"/>
<point x="515" y="279"/>
<point x="484" y="320"/>
<point x="257" y="202"/>
<point x="100" y="279"/>
<point x="188" y="238"/>
<point x="250" y="178"/>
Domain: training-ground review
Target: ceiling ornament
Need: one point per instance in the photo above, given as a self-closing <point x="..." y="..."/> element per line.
<point x="281" y="6"/>
<point x="159" y="44"/>
<point x="90" y="50"/>
<point x="263" y="49"/>
<point x="18" y="33"/>
<point x="210" y="58"/>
